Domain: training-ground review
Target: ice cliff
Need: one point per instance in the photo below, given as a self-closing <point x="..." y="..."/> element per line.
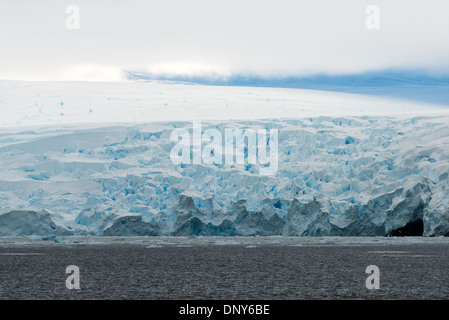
<point x="342" y="176"/>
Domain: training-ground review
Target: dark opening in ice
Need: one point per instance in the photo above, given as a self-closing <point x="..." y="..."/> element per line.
<point x="411" y="229"/>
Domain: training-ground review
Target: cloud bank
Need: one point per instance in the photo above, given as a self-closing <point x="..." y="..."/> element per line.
<point x="220" y="39"/>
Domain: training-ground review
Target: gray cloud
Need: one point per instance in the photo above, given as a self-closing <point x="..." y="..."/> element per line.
<point x="267" y="38"/>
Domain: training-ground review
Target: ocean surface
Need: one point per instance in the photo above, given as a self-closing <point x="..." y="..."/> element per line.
<point x="225" y="268"/>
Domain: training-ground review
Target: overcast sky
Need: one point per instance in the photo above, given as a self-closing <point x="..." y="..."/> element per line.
<point x="220" y="38"/>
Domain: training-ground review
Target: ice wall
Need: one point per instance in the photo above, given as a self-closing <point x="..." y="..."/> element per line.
<point x="343" y="176"/>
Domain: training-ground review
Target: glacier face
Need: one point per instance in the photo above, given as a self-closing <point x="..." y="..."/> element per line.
<point x="340" y="176"/>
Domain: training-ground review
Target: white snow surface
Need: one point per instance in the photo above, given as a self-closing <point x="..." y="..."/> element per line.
<point x="37" y="103"/>
<point x="94" y="158"/>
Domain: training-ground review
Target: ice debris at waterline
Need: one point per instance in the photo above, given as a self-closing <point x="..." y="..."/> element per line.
<point x="347" y="176"/>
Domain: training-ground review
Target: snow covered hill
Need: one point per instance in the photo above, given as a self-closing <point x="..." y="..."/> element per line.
<point x="94" y="158"/>
<point x="38" y="103"/>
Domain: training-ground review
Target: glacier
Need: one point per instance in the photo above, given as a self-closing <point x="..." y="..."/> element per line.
<point x="349" y="165"/>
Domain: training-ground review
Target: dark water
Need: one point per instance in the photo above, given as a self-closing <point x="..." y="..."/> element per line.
<point x="417" y="271"/>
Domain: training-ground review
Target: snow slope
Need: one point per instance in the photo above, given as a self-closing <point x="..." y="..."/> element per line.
<point x="74" y="161"/>
<point x="38" y="103"/>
